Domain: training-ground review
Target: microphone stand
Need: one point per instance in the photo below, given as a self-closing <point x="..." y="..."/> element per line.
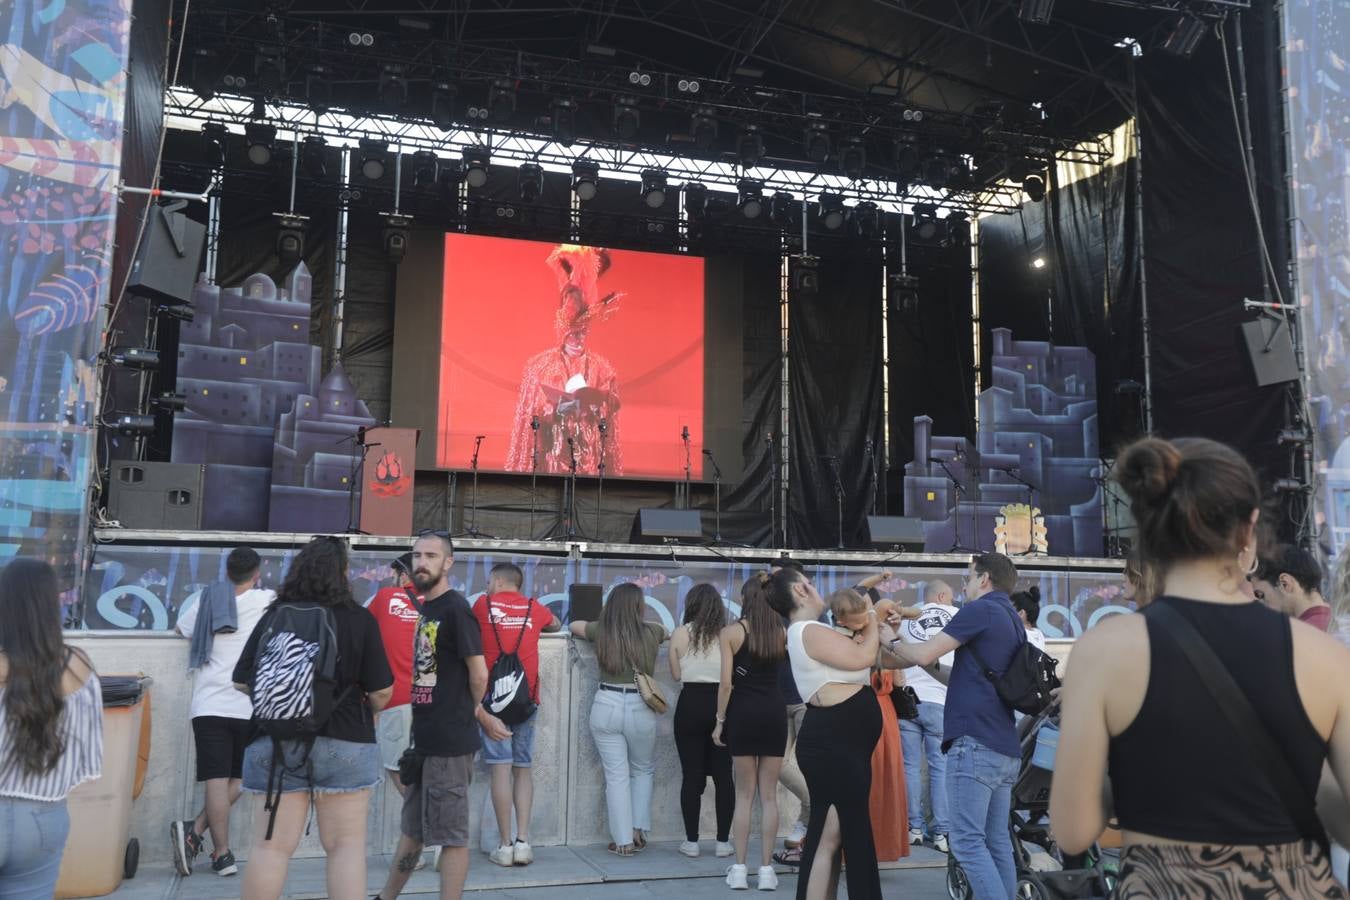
<point x="472" y="530"/>
<point x="872" y="469"/>
<point x="684" y="438"/>
<point x="956" y="518"/>
<point x="717" y="496"/>
<point x="600" y="485"/>
<point x="838" y="498"/>
<point x="773" y="488"/>
<point x="534" y="469"/>
<point x="358" y="466"/>
<point x="570" y="486"/>
<point x="1013" y="473"/>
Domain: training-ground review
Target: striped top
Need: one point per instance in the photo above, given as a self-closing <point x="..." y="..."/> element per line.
<point x="82" y="733"/>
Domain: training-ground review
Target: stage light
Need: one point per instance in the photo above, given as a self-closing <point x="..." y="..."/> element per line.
<point x="750" y="197"/>
<point x="912" y="115"/>
<point x="906" y="162"/>
<point x="816" y="143"/>
<point x="703" y="127"/>
<point x="627" y="118"/>
<point x="393" y="88"/>
<point x="213" y="144"/>
<point x="695" y="201"/>
<point x="1034" y="187"/>
<point x="180" y="311"/>
<point x="502" y="101"/>
<point x="805" y="271"/>
<point x="396" y="236"/>
<point x="318" y="89"/>
<point x="687" y="86"/>
<point x="638" y="78"/>
<point x="925" y="221"/>
<point x="313" y="156"/>
<point x="443" y="95"/>
<point x="749" y="145"/>
<point x="783" y="209"/>
<point x="142" y="358"/>
<point x="654" y="188"/>
<point x="958" y="228"/>
<point x="585" y="179"/>
<point x="852" y="158"/>
<point x="1292" y="486"/>
<point x="866" y="219"/>
<point x="563" y="119"/>
<point x="904" y="295"/>
<point x="372" y="155"/>
<point x="168" y="401"/>
<point x="290" y="238"/>
<point x="134" y="425"/>
<point x="1292" y="437"/>
<point x="234" y="82"/>
<point x="205" y="73"/>
<point x="361" y="39"/>
<point x="1185" y="36"/>
<point x="425" y="169"/>
<point x="935" y="171"/>
<point x="260" y="139"/>
<point x="269" y="71"/>
<point x="476" y="161"/>
<point x="831" y="211"/>
<point x="1037" y="12"/>
<point x="530" y="182"/>
<point x="1038" y="262"/>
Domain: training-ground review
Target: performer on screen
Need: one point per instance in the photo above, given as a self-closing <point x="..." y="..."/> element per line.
<point x="569" y="390"/>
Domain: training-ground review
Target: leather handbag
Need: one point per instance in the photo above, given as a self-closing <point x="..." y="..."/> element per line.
<point x="906" y="702"/>
<point x="650" y="692"/>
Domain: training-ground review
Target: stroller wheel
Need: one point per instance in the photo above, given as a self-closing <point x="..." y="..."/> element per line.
<point x="1030" y="887"/>
<point x="958" y="887"/>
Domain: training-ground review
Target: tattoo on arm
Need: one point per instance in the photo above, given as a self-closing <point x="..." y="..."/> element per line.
<point x="407" y="862"/>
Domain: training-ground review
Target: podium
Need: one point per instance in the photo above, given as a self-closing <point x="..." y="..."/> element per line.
<point x="387" y="481"/>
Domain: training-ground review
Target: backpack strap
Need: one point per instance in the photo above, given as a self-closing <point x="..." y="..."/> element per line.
<point x="417" y="604"/>
<point x="984" y="667"/>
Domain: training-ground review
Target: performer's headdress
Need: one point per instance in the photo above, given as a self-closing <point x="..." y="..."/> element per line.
<point x="579" y="302"/>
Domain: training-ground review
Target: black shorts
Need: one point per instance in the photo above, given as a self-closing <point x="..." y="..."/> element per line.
<point x="220" y="746"/>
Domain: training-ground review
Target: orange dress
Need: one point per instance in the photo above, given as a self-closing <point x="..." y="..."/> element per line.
<point x="887" y="804"/>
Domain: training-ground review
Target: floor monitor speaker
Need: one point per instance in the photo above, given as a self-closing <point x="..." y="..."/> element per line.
<point x="903" y="532"/>
<point x="156" y="496"/>
<point x="657" y="526"/>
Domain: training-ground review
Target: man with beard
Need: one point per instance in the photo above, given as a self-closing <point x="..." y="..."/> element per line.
<point x="449" y="680"/>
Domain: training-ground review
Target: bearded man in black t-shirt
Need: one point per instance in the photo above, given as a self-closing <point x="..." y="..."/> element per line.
<point x="449" y="680"/>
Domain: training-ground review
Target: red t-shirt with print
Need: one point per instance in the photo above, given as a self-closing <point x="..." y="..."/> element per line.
<point x="508" y="611"/>
<point x="397" y="618"/>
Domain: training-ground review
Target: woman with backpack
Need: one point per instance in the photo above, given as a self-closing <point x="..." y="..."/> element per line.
<point x="622" y="724"/>
<point x="316" y="670"/>
<point x="51" y="729"/>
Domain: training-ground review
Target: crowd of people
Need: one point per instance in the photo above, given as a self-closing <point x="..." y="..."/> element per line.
<point x="1212" y="729"/>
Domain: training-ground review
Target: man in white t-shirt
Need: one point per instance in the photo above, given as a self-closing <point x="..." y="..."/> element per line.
<point x="924" y="734"/>
<point x="219" y="624"/>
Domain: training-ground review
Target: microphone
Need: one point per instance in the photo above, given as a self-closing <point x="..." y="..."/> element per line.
<point x="534" y="422"/>
<point x="603" y="425"/>
<point x="479" y="437"/>
<point x="684" y="433"/>
<point x="707" y="452"/>
<point x="569" y="442"/>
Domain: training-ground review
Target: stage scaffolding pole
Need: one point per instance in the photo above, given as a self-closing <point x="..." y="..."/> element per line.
<point x="784" y="392"/>
<point x="1141" y="256"/>
<point x="340" y="257"/>
<point x="213" y="229"/>
<point x="975" y="317"/>
<point x="883" y="477"/>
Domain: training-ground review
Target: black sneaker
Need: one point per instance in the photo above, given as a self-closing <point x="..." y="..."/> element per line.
<point x="224" y="865"/>
<point x="186" y="845"/>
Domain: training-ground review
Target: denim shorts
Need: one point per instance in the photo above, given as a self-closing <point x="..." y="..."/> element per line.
<point x="518" y="749"/>
<point x="332" y="767"/>
<point x="32" y="839"/>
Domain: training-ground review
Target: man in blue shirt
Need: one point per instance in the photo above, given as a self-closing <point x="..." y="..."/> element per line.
<point x="979" y="738"/>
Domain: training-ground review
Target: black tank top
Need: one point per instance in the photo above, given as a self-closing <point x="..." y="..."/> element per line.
<point x="752" y="677"/>
<point x="1180" y="771"/>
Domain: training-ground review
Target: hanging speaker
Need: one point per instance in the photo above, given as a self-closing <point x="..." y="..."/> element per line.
<point x="584" y="602"/>
<point x="1271" y="350"/>
<point x="169" y="257"/>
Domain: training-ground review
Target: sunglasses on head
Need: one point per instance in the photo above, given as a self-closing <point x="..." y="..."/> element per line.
<point x="434" y="532"/>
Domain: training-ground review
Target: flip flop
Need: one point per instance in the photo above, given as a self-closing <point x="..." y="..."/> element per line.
<point x="790" y="857"/>
<point x="625" y="850"/>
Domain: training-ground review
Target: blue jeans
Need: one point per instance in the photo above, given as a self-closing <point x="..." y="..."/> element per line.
<point x="979" y="795"/>
<point x="32" y="839"/>
<point x="925" y="734"/>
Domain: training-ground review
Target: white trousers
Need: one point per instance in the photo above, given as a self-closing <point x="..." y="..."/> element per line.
<point x="624" y="729"/>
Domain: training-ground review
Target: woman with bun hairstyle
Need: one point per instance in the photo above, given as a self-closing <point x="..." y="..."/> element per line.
<point x="1028" y="606"/>
<point x="1200" y="817"/>
<point x="752" y="713"/>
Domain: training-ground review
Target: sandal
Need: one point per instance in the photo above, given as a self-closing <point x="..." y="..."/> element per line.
<point x="640" y="842"/>
<point x="790" y="857"/>
<point x="624" y="850"/>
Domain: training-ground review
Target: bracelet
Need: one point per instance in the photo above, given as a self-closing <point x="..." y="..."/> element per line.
<point x="721" y="720"/>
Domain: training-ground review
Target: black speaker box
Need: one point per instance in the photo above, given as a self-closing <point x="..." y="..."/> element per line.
<point x="156" y="496"/>
<point x="905" y="532"/>
<point x="170" y="256"/>
<point x="584" y="602"/>
<point x="656" y="526"/>
<point x="1271" y="350"/>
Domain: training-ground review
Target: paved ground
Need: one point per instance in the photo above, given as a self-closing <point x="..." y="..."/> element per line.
<point x="558" y="873"/>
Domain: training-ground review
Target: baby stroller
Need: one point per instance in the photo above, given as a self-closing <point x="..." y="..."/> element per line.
<point x="1043" y="873"/>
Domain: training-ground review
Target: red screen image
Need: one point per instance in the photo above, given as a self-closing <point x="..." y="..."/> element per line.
<point x="554" y="351"/>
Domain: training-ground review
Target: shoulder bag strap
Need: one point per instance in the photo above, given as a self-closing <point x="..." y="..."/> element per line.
<point x="984" y="667"/>
<point x="1237" y="709"/>
<point x="417" y="604"/>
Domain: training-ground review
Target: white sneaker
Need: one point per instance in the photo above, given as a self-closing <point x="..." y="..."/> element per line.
<point x="503" y="856"/>
<point x="689" y="848"/>
<point x="915" y="837"/>
<point x="768" y="879"/>
<point x="522" y="854"/>
<point x="723" y="849"/>
<point x="736" y="877"/>
<point x="796" y="837"/>
<point x="940" y="843"/>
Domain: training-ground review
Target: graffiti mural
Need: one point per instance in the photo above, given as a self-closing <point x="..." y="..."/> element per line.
<point x="62" y="87"/>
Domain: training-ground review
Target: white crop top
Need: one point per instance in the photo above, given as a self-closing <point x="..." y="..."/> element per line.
<point x="702" y="667"/>
<point x="812" y="675"/>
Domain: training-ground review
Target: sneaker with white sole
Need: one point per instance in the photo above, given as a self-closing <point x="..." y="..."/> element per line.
<point x="915" y="837"/>
<point x="689" y="848"/>
<point x="940" y="843"/>
<point x="224" y="864"/>
<point x="186" y="845"/>
<point x="737" y="877"/>
<point x="503" y="856"/>
<point x="522" y="854"/>
<point x="723" y="850"/>
<point x="768" y="879"/>
<point x="796" y="837"/>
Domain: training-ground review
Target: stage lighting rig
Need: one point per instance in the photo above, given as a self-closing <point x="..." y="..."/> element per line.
<point x="703" y="127"/>
<point x="530" y="182"/>
<point x="866" y="218"/>
<point x="958" y="228"/>
<point x="169" y="401"/>
<point x="1034" y="187"/>
<point x="627" y="118"/>
<point x="180" y="311"/>
<point x="134" y="425"/>
<point x="831" y="211"/>
<point x="1185" y="36"/>
<point x="269" y="71"/>
<point x="205" y="73"/>
<point x="396" y="236"/>
<point x="816" y="143"/>
<point x="1036" y="12"/>
<point x="475" y="168"/>
<point x="141" y="358"/>
<point x="749" y="145"/>
<point x="563" y="121"/>
<point x="501" y="101"/>
<point x="783" y="209"/>
<point x="925" y="221"/>
<point x="290" y="237"/>
<point x="695" y="201"/>
<point x="904" y="294"/>
<point x="1293" y="437"/>
<point x="805" y="270"/>
<point x="750" y="197"/>
<point x="393" y="88"/>
<point x="213" y="144"/>
<point x="852" y="158"/>
<point x="585" y="179"/>
<point x="443" y="95"/>
<point x="373" y="156"/>
<point x="313" y="156"/>
<point x="654" y="188"/>
<point x="425" y="169"/>
<point x="318" y="88"/>
<point x="261" y="140"/>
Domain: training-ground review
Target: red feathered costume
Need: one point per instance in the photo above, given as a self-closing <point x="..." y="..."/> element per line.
<point x="571" y="390"/>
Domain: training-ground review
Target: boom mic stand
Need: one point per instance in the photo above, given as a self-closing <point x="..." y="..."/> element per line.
<point x="872" y="468"/>
<point x="534" y="469"/>
<point x="773" y="488"/>
<point x="1015" y="474"/>
<point x="957" y="546"/>
<point x="570" y="487"/>
<point x="838" y="498"/>
<point x="600" y="485"/>
<point x="717" y="496"/>
<point x="358" y="466"/>
<point x="472" y="530"/>
<point x="683" y="499"/>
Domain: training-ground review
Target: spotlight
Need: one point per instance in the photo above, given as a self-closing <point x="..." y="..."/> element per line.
<point x="396" y="236"/>
<point x="476" y="161"/>
<point x="502" y="101"/>
<point x="703" y="127"/>
<point x="695" y="201"/>
<point x="425" y="169"/>
<point x="852" y="158"/>
<point x="866" y="219"/>
<point x="585" y="179"/>
<point x="1185" y="36"/>
<point x="530" y="182"/>
<point x="290" y="238"/>
<point x="1036" y="12"/>
<point x="443" y="105"/>
<point x="234" y="82"/>
<point x="912" y="115"/>
<point x="313" y="156"/>
<point x="260" y="139"/>
<point x="1292" y="486"/>
<point x="831" y="211"/>
<point x="373" y="154"/>
<point x="638" y="78"/>
<point x="179" y="311"/>
<point x="749" y="145"/>
<point x="1034" y="186"/>
<point x="1038" y="262"/>
<point x="687" y="86"/>
<point x="134" y="358"/>
<point x="361" y="39"/>
<point x="213" y="143"/>
<point x="936" y="171"/>
<point x="1292" y="437"/>
<point x="816" y="144"/>
<point x="958" y="228"/>
<point x="205" y="73"/>
<point x="269" y="71"/>
<point x="627" y="118"/>
<point x="168" y="401"/>
<point x="805" y="271"/>
<point x="654" y="188"/>
<point x="750" y="197"/>
<point x="318" y="88"/>
<point x="563" y="118"/>
<point x="782" y="209"/>
<point x="904" y="294"/>
<point x="925" y="221"/>
<point x="134" y="425"/>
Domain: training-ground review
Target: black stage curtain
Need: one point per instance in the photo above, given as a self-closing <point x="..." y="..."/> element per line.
<point x="834" y="372"/>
